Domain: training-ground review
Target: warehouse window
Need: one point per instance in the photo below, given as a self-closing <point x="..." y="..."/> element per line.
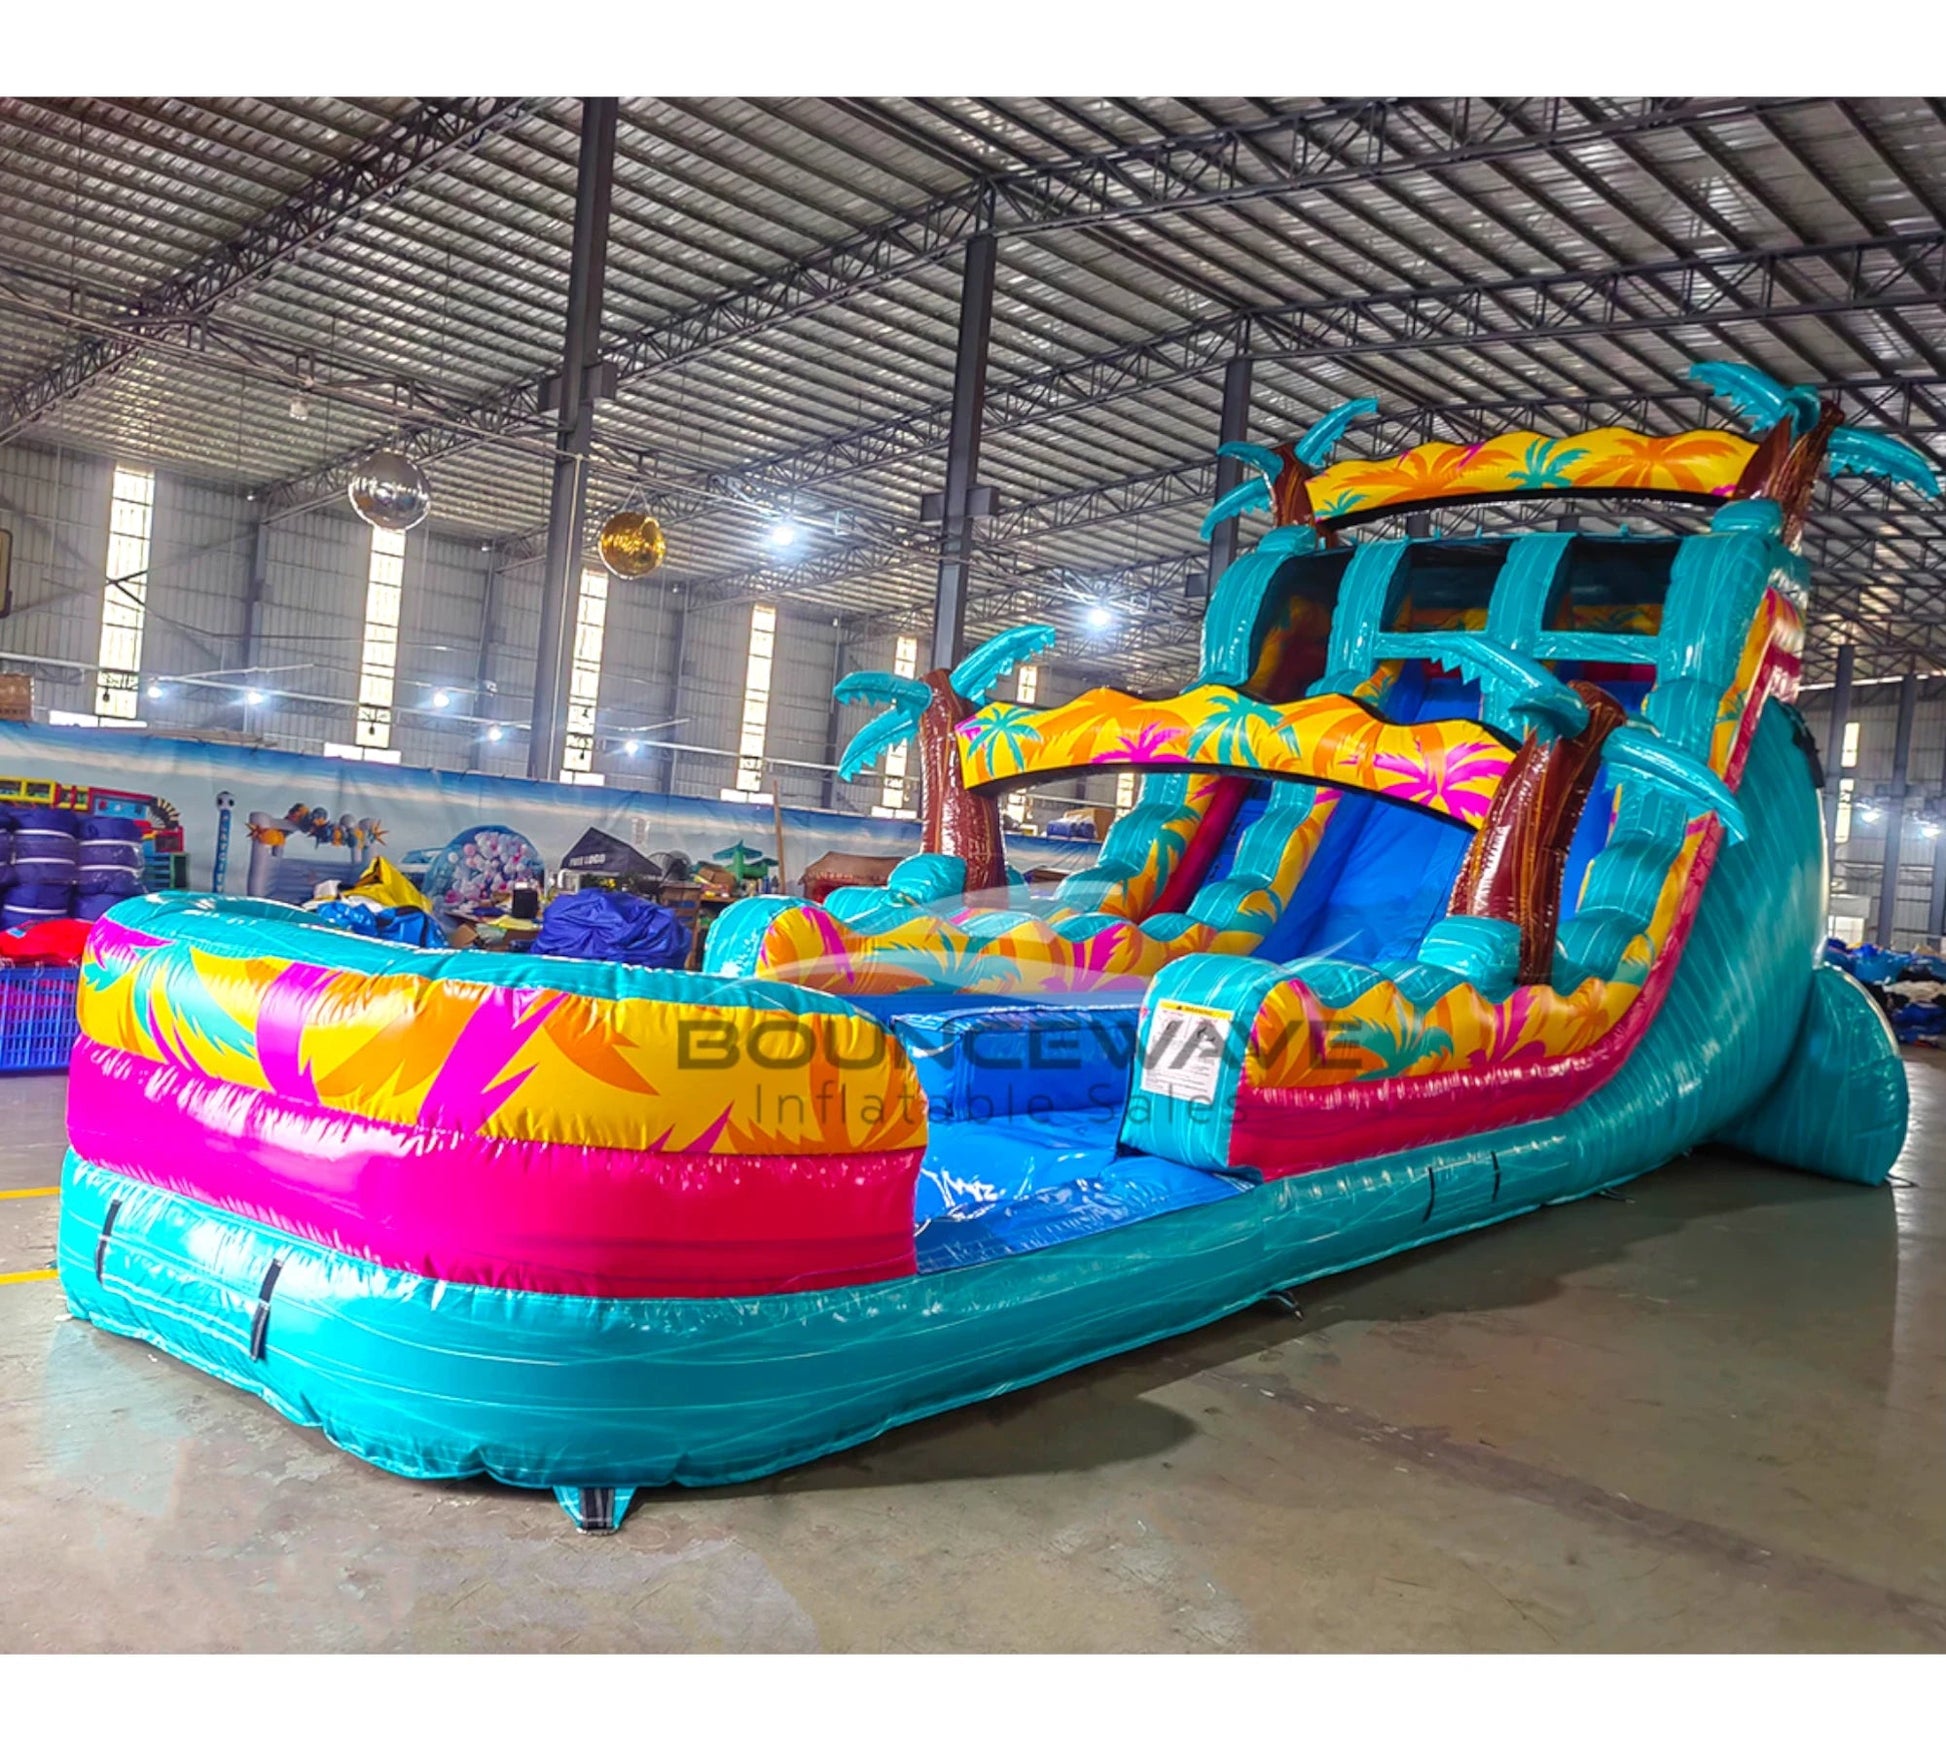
<point x="1851" y="745"/>
<point x="1027" y="688"/>
<point x="1841" y="829"/>
<point x="584" y="679"/>
<point x="756" y="705"/>
<point x="891" y="802"/>
<point x="125" y="602"/>
<point x="378" y="661"/>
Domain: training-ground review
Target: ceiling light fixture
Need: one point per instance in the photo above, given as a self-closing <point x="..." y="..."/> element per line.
<point x="494" y="732"/>
<point x="441" y="700"/>
<point x="783" y="534"/>
<point x="1100" y="617"/>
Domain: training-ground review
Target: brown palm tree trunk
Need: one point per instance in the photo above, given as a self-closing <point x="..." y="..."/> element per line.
<point x="1519" y="856"/>
<point x="955" y="821"/>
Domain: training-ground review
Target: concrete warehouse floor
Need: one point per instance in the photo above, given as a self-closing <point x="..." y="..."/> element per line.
<point x="1706" y="1417"/>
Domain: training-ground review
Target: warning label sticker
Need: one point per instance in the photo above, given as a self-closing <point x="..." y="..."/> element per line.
<point x="1184" y="1055"/>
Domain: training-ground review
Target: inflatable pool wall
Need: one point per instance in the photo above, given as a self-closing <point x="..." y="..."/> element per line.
<point x="1469" y="877"/>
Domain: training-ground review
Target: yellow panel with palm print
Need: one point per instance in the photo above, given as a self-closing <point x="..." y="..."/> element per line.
<point x="1707" y="463"/>
<point x="1451" y="766"/>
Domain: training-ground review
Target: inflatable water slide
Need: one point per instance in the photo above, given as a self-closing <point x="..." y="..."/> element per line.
<point x="1469" y="875"/>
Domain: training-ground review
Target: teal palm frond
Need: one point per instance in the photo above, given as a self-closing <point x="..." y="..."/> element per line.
<point x="892" y="726"/>
<point x="1854" y="452"/>
<point x="1550" y="705"/>
<point x="1252" y="495"/>
<point x="1265" y="461"/>
<point x="977" y="674"/>
<point x="1760" y="400"/>
<point x="1318" y="439"/>
<point x="876" y="687"/>
<point x="1637" y="749"/>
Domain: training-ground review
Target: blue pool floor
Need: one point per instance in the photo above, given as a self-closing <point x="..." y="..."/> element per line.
<point x="991" y="1188"/>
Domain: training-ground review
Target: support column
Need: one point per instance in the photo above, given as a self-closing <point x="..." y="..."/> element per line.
<point x="253" y="598"/>
<point x="1936" y="912"/>
<point x="1834" y="757"/>
<point x="489" y="614"/>
<point x="1888" y="892"/>
<point x="963" y="450"/>
<point x="674" y="732"/>
<point x="832" y="709"/>
<point x="1233" y="429"/>
<point x="574" y="434"/>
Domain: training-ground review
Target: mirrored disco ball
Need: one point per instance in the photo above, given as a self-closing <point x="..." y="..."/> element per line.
<point x="390" y="491"/>
<point x="631" y="544"/>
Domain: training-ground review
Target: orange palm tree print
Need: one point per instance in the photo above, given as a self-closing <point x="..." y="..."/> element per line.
<point x="1431" y="471"/>
<point x="1687" y="462"/>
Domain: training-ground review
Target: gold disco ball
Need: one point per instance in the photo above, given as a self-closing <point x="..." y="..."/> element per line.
<point x="631" y="544"/>
<point x="390" y="491"/>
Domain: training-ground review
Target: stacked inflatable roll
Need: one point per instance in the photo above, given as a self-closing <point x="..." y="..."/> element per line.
<point x="110" y="865"/>
<point x="45" y="866"/>
<point x="55" y="863"/>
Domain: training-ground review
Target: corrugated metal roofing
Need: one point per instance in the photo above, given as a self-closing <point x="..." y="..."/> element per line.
<point x="429" y="308"/>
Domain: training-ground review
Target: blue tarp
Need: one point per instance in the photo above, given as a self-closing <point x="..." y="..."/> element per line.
<point x="406" y="924"/>
<point x="599" y="924"/>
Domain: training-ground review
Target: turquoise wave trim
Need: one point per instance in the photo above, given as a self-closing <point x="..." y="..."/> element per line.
<point x="1840" y="1107"/>
<point x="1245" y="605"/>
<point x="1125" y="847"/>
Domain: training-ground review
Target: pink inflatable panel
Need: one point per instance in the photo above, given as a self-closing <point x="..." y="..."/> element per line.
<point x="559" y="1218"/>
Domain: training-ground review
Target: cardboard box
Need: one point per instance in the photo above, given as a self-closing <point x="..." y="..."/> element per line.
<point x="16" y="698"/>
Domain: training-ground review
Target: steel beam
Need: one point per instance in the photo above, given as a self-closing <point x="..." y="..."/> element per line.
<point x="1329" y="145"/>
<point x="956" y="534"/>
<point x="1721" y="290"/>
<point x="1888" y="891"/>
<point x="575" y="426"/>
<point x="1834" y="757"/>
<point x="438" y="130"/>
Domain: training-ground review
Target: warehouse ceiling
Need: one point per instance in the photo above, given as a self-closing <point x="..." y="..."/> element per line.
<point x="265" y="292"/>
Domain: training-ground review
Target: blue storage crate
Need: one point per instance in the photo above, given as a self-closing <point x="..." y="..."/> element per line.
<point x="37" y="1020"/>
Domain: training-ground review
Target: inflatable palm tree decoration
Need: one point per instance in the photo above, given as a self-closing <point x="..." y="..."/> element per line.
<point x="1281" y="472"/>
<point x="1797" y="434"/>
<point x="930" y="708"/>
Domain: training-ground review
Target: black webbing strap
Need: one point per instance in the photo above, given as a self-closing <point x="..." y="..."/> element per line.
<point x="260" y="1320"/>
<point x="107" y="1228"/>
